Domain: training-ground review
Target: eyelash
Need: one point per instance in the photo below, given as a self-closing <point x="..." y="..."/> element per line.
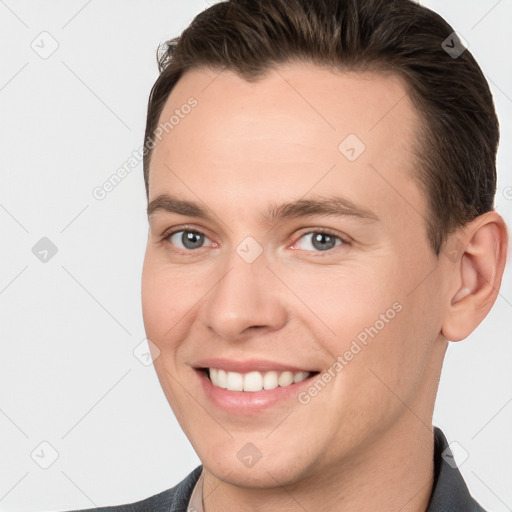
<point x="323" y="231"/>
<point x="189" y="229"/>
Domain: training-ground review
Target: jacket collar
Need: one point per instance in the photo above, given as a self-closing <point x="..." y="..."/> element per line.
<point x="449" y="492"/>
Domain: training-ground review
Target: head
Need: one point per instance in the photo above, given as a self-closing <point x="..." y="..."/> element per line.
<point x="332" y="173"/>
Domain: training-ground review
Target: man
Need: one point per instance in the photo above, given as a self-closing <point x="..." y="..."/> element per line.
<point x="320" y="179"/>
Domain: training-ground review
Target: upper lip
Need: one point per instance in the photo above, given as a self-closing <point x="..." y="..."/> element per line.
<point x="248" y="365"/>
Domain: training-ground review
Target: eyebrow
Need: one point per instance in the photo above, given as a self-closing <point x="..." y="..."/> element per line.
<point x="330" y="206"/>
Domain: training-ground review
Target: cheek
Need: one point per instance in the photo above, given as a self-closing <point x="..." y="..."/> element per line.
<point x="166" y="299"/>
<point x="365" y="320"/>
<point x="165" y="303"/>
<point x="339" y="303"/>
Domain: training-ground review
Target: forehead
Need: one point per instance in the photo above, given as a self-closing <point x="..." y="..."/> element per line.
<point x="300" y="127"/>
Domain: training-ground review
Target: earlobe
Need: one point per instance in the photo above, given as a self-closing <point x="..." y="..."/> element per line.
<point x="476" y="275"/>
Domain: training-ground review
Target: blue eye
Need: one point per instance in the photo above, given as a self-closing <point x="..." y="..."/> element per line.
<point x="321" y="241"/>
<point x="188" y="239"/>
<point x="316" y="241"/>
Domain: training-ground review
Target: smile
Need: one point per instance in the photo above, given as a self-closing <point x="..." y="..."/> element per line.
<point x="254" y="381"/>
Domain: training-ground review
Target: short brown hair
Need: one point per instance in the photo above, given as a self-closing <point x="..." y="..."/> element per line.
<point x="459" y="133"/>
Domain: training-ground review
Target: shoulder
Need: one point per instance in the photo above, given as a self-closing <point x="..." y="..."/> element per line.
<point x="174" y="499"/>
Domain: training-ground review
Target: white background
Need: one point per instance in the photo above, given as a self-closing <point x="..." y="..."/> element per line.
<point x="68" y="375"/>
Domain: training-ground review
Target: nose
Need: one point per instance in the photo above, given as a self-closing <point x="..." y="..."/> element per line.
<point x="246" y="298"/>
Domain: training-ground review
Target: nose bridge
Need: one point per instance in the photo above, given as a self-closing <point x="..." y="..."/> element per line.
<point x="244" y="295"/>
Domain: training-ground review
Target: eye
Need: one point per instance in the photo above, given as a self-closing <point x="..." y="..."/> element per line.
<point x="186" y="239"/>
<point x="319" y="241"/>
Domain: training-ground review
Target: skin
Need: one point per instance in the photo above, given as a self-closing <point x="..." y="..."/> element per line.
<point x="365" y="442"/>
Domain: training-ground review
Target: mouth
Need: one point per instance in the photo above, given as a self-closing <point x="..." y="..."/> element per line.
<point x="254" y="381"/>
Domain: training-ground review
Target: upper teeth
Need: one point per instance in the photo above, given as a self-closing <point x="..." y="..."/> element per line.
<point x="254" y="381"/>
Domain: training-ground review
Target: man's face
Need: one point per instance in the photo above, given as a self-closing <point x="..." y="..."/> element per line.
<point x="364" y="293"/>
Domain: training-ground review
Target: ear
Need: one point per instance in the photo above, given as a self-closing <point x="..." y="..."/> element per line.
<point x="478" y="255"/>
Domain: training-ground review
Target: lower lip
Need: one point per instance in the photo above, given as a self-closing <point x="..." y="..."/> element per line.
<point x="250" y="402"/>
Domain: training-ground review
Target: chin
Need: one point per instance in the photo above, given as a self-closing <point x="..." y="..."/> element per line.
<point x="260" y="476"/>
<point x="238" y="463"/>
